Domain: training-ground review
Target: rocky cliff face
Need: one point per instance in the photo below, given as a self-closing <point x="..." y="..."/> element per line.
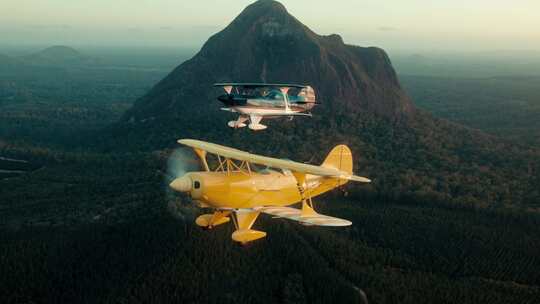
<point x="266" y="44"/>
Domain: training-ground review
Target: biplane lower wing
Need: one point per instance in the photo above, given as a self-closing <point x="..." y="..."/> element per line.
<point x="314" y="219"/>
<point x="266" y="113"/>
<point x="284" y="114"/>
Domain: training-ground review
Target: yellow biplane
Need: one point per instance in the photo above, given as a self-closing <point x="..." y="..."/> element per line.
<point x="238" y="188"/>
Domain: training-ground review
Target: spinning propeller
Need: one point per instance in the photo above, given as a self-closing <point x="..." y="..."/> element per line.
<point x="180" y="162"/>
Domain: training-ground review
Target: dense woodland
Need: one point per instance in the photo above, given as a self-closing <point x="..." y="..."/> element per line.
<point x="504" y="106"/>
<point x="96" y="228"/>
<point x="446" y="220"/>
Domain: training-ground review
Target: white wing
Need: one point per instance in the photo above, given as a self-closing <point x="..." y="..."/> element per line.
<point x="312" y="219"/>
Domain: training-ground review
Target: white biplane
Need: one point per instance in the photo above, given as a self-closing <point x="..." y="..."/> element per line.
<point x="255" y="101"/>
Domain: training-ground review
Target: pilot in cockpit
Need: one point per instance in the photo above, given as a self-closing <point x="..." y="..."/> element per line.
<point x="274" y="95"/>
<point x="301" y="96"/>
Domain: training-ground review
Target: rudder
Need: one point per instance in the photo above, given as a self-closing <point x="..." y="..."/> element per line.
<point x="339" y="158"/>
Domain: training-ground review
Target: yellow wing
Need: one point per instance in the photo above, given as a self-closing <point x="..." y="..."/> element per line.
<point x="271" y="162"/>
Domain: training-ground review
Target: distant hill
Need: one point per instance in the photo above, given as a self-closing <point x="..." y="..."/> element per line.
<point x="58" y="55"/>
<point x="7" y="61"/>
<point x="406" y="152"/>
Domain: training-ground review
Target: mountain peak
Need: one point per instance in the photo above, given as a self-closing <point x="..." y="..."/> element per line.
<point x="264" y="43"/>
<point x="262" y="9"/>
<point x="266" y="5"/>
<point x="266" y="18"/>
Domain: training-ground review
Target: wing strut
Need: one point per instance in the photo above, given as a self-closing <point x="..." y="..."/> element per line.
<point x="307" y="202"/>
<point x="202" y="156"/>
<point x="285" y="90"/>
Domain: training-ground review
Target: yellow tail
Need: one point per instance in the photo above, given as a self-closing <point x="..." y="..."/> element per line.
<point x="339" y="158"/>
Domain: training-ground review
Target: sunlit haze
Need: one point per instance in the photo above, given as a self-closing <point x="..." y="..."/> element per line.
<point x="476" y="25"/>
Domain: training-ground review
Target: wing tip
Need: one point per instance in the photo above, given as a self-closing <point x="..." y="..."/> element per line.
<point x="189" y="142"/>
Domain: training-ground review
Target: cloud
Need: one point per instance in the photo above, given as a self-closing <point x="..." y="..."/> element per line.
<point x="387" y="29"/>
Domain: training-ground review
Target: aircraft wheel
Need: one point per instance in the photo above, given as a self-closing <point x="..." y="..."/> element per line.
<point x="245" y="245"/>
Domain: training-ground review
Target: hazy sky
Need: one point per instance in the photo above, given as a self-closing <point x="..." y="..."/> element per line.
<point x="414" y="24"/>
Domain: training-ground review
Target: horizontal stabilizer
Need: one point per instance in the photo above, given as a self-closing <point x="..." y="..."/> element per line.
<point x="312" y="219"/>
<point x="356" y="178"/>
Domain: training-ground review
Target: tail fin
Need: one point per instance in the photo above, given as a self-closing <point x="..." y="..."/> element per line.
<point x="339" y="158"/>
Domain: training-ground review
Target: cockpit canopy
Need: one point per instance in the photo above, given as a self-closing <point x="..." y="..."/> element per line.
<point x="268" y="95"/>
<point x="274" y="95"/>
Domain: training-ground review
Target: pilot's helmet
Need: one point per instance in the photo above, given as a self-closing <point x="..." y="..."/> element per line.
<point x="301" y="96"/>
<point x="275" y="94"/>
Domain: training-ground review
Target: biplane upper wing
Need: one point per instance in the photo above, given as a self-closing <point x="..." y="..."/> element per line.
<point x="259" y="85"/>
<point x="271" y="162"/>
<point x="294" y="214"/>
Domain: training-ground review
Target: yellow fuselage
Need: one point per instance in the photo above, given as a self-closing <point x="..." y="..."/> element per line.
<point x="241" y="190"/>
